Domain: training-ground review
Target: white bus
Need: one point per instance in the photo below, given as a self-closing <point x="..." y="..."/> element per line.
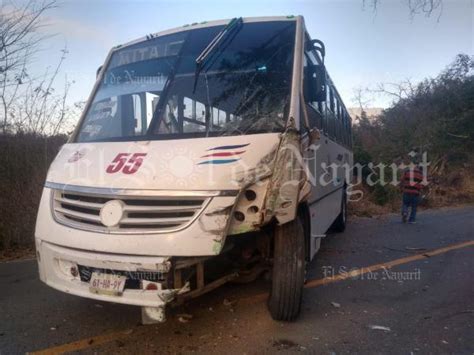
<point x="207" y="153"/>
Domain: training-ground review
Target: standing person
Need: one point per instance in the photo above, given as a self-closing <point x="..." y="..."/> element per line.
<point x="411" y="185"/>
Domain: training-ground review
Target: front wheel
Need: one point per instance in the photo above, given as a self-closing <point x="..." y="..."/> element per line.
<point x="288" y="271"/>
<point x="339" y="224"/>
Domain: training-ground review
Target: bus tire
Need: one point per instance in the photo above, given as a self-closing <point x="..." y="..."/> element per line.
<point x="286" y="294"/>
<point x="339" y="224"/>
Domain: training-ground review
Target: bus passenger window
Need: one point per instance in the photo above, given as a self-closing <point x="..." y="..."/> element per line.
<point x="188" y="111"/>
<point x="320" y="107"/>
<point x="169" y="123"/>
<point x="331" y="99"/>
<point x="194" y="110"/>
<point x="191" y="127"/>
<point x="338" y="121"/>
<point x="218" y="117"/>
<point x="346" y="129"/>
<point x="137" y="113"/>
<point x="200" y="111"/>
<point x="151" y="100"/>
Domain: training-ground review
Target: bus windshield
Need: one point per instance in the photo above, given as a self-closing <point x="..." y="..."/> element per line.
<point x="152" y="90"/>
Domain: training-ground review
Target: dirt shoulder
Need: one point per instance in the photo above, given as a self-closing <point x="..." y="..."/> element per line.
<point x="17" y="254"/>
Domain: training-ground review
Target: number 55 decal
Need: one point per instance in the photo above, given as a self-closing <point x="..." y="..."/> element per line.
<point x="128" y="164"/>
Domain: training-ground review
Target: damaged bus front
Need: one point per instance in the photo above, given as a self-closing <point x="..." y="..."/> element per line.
<point x="185" y="171"/>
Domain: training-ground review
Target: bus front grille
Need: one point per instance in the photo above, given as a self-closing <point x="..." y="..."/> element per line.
<point x="139" y="214"/>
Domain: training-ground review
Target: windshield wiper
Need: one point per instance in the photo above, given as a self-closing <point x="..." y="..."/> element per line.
<point x="232" y="27"/>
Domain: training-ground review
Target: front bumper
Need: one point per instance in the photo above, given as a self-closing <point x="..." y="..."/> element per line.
<point x="55" y="263"/>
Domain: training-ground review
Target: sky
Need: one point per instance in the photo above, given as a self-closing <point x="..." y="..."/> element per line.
<point x="363" y="47"/>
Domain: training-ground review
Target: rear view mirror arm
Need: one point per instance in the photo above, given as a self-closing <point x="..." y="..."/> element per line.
<point x="318" y="46"/>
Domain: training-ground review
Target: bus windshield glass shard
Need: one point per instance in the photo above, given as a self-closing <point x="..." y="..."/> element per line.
<point x="147" y="89"/>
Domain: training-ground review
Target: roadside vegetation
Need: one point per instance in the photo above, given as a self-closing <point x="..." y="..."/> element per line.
<point x="436" y="117"/>
<point x="34" y="119"/>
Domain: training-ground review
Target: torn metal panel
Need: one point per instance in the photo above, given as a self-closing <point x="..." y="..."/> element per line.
<point x="216" y="221"/>
<point x="288" y="176"/>
<point x="279" y="195"/>
<point x="157" y="314"/>
<point x="262" y="170"/>
<point x="252" y="210"/>
<point x="305" y="191"/>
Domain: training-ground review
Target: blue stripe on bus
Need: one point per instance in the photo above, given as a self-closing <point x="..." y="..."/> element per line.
<point x="225" y="161"/>
<point x="229" y="146"/>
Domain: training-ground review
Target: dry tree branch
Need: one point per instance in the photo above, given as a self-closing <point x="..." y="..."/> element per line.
<point x="19" y="40"/>
<point x="415" y="7"/>
<point x="398" y="91"/>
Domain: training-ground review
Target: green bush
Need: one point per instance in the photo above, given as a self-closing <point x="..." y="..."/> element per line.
<point x="24" y="162"/>
<point x="382" y="195"/>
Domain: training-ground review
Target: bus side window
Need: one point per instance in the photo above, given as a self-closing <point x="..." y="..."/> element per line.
<point x="331" y="99"/>
<point x="189" y="108"/>
<point x="331" y="114"/>
<point x="139" y="128"/>
<point x="336" y="118"/>
<point x="313" y="109"/>
<point x="218" y="117"/>
<point x="344" y="127"/>
<point x="131" y="106"/>
<point x="194" y="110"/>
<point x="193" y="116"/>
<point x="200" y="111"/>
<point x="320" y="107"/>
<point x="326" y="112"/>
<point x="339" y="125"/>
<point x="314" y="116"/>
<point x="349" y="126"/>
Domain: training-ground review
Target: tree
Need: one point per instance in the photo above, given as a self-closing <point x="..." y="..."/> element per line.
<point x="435" y="115"/>
<point x="28" y="103"/>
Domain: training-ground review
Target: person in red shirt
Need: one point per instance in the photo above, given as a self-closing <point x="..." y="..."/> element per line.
<point x="411" y="185"/>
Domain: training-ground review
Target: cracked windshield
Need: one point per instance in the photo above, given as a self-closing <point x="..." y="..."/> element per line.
<point x="221" y="80"/>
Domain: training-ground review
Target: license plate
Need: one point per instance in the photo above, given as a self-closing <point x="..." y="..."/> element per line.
<point x="107" y="284"/>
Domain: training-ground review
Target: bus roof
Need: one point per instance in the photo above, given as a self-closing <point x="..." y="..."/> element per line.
<point x="204" y="24"/>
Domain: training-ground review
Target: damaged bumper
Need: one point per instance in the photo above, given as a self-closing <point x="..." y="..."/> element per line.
<point x="68" y="270"/>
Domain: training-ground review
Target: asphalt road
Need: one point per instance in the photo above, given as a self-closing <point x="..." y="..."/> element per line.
<point x="425" y="302"/>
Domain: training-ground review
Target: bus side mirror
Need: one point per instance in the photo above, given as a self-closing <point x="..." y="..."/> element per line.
<point x="315" y="81"/>
<point x="318" y="46"/>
